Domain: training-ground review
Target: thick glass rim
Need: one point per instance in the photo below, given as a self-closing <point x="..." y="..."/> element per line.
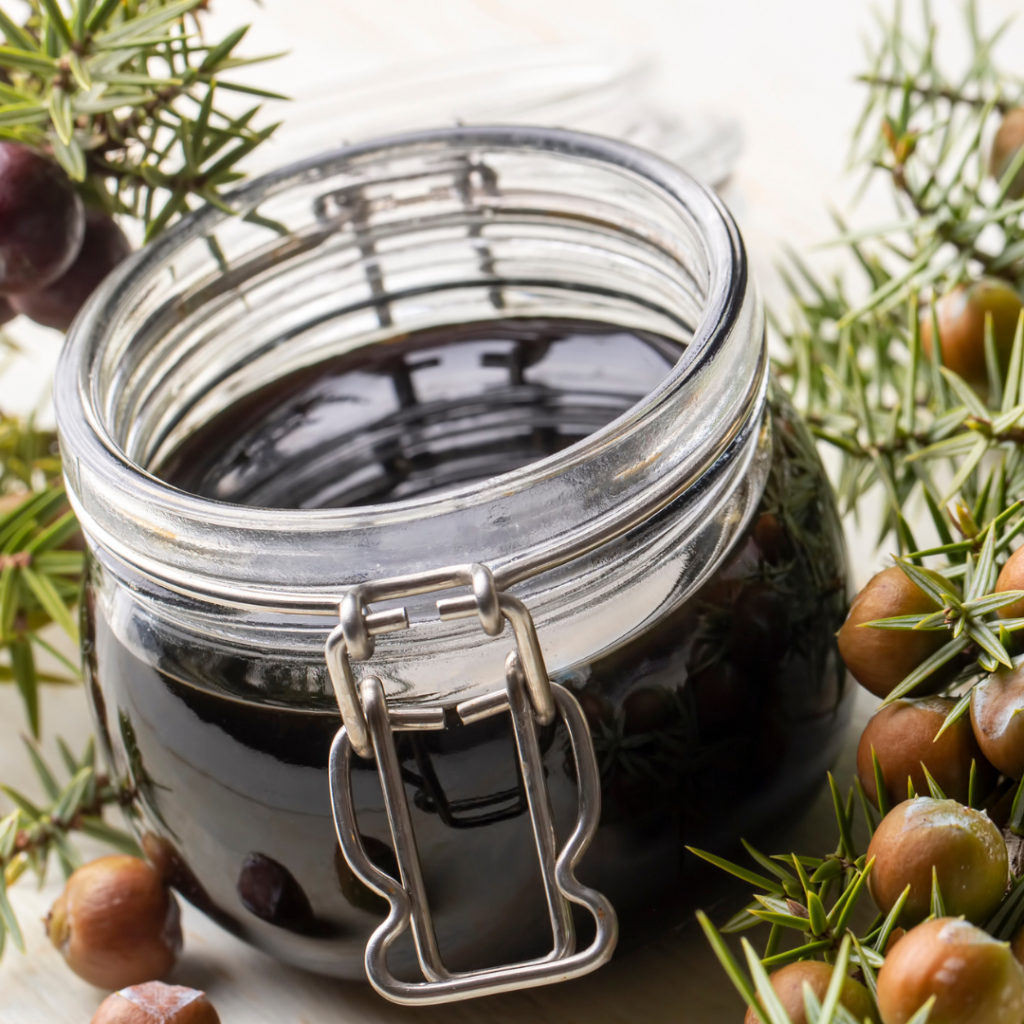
<point x="98" y="470"/>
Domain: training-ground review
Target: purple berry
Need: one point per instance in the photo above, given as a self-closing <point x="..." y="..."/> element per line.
<point x="41" y="219"/>
<point x="103" y="247"/>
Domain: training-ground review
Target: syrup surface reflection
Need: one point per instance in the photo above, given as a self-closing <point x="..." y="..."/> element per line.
<point x="712" y="724"/>
<point x="421" y="413"/>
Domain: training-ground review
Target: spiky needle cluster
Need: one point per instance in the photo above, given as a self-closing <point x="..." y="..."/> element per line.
<point x="124" y="94"/>
<point x="899" y="421"/>
<point x="32" y="834"/>
<point x="946" y="457"/>
<point x="815" y="911"/>
<point x="127" y="96"/>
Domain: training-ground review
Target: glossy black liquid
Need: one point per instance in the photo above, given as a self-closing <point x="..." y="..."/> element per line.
<point x="714" y="723"/>
<point x="420" y="414"/>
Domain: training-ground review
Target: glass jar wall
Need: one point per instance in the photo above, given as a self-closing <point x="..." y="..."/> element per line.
<point x="529" y="348"/>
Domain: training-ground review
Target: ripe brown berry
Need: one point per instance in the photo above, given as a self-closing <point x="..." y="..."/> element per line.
<point x="1017" y="945"/>
<point x="880" y="659"/>
<point x="997" y="716"/>
<point x="903" y="736"/>
<point x="169" y="865"/>
<point x="1011" y="577"/>
<point x="116" y="923"/>
<point x="975" y="979"/>
<point x="41" y="219"/>
<point x="1005" y="146"/>
<point x="963" y="846"/>
<point x="721" y="695"/>
<point x="647" y="710"/>
<point x="759" y="627"/>
<point x="103" y="247"/>
<point x="156" y="1003"/>
<point x="770" y="537"/>
<point x="597" y="709"/>
<point x="176" y="874"/>
<point x="789" y="982"/>
<point x="961" y="318"/>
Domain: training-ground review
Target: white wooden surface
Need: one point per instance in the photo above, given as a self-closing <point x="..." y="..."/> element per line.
<point x="669" y="982"/>
<point x="785" y="69"/>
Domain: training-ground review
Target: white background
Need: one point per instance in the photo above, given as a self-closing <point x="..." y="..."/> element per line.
<point x="785" y="68"/>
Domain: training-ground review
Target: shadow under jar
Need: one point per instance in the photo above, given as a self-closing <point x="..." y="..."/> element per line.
<point x="527" y="348"/>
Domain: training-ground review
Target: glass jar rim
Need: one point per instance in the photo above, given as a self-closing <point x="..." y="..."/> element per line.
<point x="175" y="537"/>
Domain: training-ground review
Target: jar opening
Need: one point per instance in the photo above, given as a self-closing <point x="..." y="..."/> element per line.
<point x="421" y="414"/>
<point x="345" y="256"/>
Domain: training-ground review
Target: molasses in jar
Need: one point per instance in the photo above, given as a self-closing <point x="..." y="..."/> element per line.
<point x="525" y="349"/>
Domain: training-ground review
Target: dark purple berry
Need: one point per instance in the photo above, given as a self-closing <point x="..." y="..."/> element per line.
<point x="103" y="247"/>
<point x="41" y="220"/>
<point x="269" y="890"/>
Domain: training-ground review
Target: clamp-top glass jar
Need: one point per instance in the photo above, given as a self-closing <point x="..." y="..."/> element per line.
<point x="536" y="355"/>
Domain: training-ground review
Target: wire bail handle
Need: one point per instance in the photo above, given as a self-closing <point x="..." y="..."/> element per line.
<point x="530" y="699"/>
<point x="354" y="636"/>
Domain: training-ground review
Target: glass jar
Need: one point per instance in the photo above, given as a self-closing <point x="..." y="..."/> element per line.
<point x="527" y="348"/>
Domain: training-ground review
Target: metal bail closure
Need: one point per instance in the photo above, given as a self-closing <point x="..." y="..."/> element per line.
<point x="530" y="697"/>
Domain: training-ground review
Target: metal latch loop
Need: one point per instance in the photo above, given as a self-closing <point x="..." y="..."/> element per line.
<point x="407" y="899"/>
<point x="530" y="698"/>
<point x="354" y="636"/>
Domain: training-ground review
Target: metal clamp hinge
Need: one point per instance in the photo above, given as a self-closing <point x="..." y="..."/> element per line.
<point x="530" y="698"/>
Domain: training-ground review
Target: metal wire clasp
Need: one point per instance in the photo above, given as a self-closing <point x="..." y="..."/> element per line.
<point x="354" y="637"/>
<point x="530" y="698"/>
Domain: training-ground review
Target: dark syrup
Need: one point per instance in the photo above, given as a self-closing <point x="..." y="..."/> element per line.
<point x="423" y="413"/>
<point x="714" y="723"/>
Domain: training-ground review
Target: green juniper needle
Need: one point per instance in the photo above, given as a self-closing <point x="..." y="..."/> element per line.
<point x="32" y="833"/>
<point x="128" y="97"/>
<point x="125" y="96"/>
<point x="867" y="357"/>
